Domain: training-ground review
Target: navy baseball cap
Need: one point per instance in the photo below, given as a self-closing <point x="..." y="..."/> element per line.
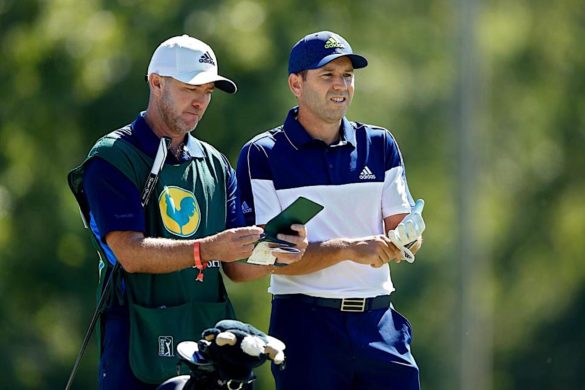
<point x="318" y="49"/>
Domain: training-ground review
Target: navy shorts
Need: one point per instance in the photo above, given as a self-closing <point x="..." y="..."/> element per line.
<point x="114" y="370"/>
<point x="330" y="349"/>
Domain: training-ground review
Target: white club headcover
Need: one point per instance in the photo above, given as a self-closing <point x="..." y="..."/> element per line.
<point x="253" y="345"/>
<point x="225" y="338"/>
<point x="275" y="350"/>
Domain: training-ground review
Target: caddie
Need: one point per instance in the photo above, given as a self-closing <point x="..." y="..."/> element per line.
<point x="171" y="243"/>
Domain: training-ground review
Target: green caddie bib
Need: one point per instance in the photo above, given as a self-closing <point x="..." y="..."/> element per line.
<point x="189" y="202"/>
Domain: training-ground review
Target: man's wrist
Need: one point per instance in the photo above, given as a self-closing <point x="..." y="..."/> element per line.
<point x="205" y="249"/>
<point x="197" y="254"/>
<point x="347" y="248"/>
<point x="199" y="264"/>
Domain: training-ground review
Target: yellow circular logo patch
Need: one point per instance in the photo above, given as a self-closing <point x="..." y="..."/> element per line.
<point x="179" y="211"/>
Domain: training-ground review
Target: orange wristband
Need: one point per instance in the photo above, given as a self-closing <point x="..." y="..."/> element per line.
<point x="197" y="258"/>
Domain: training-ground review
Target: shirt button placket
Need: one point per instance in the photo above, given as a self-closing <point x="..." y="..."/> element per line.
<point x="329" y="163"/>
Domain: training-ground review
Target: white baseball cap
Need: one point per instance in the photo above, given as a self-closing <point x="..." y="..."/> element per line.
<point x="190" y="61"/>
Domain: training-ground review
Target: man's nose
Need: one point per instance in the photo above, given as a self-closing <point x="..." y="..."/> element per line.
<point x="199" y="100"/>
<point x="340" y="83"/>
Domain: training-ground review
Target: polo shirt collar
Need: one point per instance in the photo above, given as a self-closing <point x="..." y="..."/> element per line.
<point x="193" y="147"/>
<point x="347" y="132"/>
<point x="148" y="141"/>
<point x="299" y="137"/>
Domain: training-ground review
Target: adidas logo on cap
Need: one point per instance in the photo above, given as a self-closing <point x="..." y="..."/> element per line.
<point x="333" y="43"/>
<point x="367" y="174"/>
<point x="207" y="59"/>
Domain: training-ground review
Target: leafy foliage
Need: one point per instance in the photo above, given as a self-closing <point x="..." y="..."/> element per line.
<point x="74" y="70"/>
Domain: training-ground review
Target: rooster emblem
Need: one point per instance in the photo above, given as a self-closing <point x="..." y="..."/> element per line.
<point x="179" y="211"/>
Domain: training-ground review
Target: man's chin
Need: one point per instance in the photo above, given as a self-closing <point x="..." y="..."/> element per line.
<point x="189" y="127"/>
<point x="335" y="115"/>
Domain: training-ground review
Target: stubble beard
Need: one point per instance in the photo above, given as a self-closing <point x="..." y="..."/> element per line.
<point x="332" y="115"/>
<point x="173" y="120"/>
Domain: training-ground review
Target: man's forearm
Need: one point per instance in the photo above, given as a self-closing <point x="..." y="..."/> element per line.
<point x="373" y="251"/>
<point x="318" y="256"/>
<point x="139" y="254"/>
<point x="241" y="272"/>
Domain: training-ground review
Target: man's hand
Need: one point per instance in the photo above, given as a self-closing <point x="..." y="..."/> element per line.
<point x="374" y="250"/>
<point x="409" y="231"/>
<point x="230" y="245"/>
<point x="300" y="242"/>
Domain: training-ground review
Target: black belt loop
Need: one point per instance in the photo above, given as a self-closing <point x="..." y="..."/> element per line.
<point x="350" y="305"/>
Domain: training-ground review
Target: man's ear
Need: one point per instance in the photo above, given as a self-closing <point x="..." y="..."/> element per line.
<point x="295" y="82"/>
<point x="155" y="82"/>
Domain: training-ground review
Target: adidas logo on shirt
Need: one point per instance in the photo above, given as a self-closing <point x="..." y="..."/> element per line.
<point x="367" y="174"/>
<point x="245" y="208"/>
<point x="333" y="43"/>
<point x="207" y="59"/>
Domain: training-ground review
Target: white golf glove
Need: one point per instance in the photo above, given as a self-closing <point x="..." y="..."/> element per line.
<point x="408" y="231"/>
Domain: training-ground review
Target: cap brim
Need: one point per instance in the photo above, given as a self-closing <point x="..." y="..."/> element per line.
<point x="200" y="78"/>
<point x="357" y="61"/>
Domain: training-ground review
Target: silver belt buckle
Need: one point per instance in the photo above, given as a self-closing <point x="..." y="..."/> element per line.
<point x="355" y="305"/>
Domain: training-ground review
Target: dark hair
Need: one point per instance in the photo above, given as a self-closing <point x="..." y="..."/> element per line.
<point x="303" y="74"/>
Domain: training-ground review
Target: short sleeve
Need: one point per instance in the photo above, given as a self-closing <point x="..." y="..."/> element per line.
<point x="258" y="195"/>
<point x="114" y="201"/>
<point x="396" y="198"/>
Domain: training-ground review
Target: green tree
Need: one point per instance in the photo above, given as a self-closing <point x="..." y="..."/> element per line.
<point x="74" y="70"/>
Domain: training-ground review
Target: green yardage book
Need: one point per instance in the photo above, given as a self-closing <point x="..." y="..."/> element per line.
<point x="300" y="211"/>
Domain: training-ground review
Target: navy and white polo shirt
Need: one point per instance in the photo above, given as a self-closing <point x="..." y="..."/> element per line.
<point x="360" y="181"/>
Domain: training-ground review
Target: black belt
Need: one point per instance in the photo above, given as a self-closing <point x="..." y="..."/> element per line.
<point x="355" y="305"/>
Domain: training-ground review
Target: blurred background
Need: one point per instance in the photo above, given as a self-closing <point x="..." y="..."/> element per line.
<point x="486" y="100"/>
